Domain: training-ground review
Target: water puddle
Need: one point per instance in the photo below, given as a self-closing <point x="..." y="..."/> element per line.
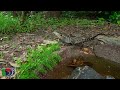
<point x="105" y="67"/>
<point x="101" y="65"/>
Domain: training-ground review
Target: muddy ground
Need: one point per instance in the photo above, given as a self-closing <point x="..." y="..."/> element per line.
<point x="16" y="45"/>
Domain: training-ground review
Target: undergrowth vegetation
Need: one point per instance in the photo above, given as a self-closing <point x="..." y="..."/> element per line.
<point x="111" y="16"/>
<point x="39" y="61"/>
<point x="10" y="24"/>
<point x="115" y="17"/>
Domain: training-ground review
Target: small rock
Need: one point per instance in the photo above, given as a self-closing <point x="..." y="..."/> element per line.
<point x="85" y="72"/>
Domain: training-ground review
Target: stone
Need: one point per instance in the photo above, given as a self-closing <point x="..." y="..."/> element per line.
<point x="85" y="72"/>
<point x="109" y="52"/>
<point x="110" y="49"/>
<point x="109" y="40"/>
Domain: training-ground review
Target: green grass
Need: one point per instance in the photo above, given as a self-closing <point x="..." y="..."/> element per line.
<point x="39" y="60"/>
<point x="40" y="22"/>
<point x="10" y="24"/>
<point x="1" y="55"/>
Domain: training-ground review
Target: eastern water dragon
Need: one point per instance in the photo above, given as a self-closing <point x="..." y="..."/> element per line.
<point x="73" y="40"/>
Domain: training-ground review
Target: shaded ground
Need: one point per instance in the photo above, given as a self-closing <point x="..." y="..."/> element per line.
<point x="12" y="46"/>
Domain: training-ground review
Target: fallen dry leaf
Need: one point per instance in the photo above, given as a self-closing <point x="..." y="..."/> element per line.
<point x="3" y="78"/>
<point x="14" y="64"/>
<point x="2" y="62"/>
<point x="1" y="59"/>
<point x="86" y="49"/>
<point x="86" y="53"/>
<point x="0" y="73"/>
<point x="74" y="61"/>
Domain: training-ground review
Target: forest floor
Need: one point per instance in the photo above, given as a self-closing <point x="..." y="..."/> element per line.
<point x="13" y="46"/>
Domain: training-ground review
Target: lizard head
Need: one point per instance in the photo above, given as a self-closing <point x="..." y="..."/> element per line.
<point x="59" y="35"/>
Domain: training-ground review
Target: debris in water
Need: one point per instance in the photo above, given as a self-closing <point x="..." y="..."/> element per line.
<point x="78" y="63"/>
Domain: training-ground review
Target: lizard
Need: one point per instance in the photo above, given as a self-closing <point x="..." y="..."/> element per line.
<point x="73" y="40"/>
